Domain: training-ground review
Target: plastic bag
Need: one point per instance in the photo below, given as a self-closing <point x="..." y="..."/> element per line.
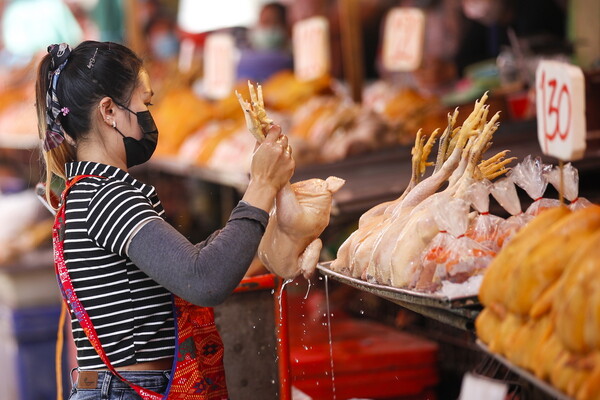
<point x="451" y="256"/>
<point x="484" y="227"/>
<point x="570" y="187"/>
<point x="505" y="193"/>
<point x="529" y="176"/>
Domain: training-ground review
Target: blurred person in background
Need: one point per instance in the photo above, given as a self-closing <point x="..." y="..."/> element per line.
<point x="542" y="23"/>
<point x="436" y="73"/>
<point x="268" y="48"/>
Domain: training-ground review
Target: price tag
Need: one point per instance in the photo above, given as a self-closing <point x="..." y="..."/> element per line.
<point x="312" y="56"/>
<point x="478" y="387"/>
<point x="403" y="38"/>
<point x="219" y="65"/>
<point x="560" y="103"/>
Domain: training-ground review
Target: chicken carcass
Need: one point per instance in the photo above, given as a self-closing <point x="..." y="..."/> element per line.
<point x="291" y="244"/>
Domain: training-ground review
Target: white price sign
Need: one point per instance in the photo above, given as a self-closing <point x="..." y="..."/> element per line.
<point x="312" y="56"/>
<point x="560" y="103"/>
<point x="403" y="38"/>
<point x="219" y="65"/>
<point x="476" y="387"/>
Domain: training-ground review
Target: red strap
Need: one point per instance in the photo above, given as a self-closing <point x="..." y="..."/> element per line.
<point x="70" y="297"/>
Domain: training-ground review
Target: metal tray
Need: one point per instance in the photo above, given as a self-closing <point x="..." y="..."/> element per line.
<point x="528" y="376"/>
<point x="425" y="299"/>
<point x="459" y="312"/>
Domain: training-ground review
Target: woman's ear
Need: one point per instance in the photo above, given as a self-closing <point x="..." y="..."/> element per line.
<point x="106" y="108"/>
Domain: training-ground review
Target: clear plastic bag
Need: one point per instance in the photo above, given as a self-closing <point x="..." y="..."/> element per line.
<point x="505" y="193"/>
<point x="484" y="227"/>
<point x="570" y="187"/>
<point x="529" y="175"/>
<point x="451" y="256"/>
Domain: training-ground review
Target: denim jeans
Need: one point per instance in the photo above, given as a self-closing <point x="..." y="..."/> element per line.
<point x="109" y="387"/>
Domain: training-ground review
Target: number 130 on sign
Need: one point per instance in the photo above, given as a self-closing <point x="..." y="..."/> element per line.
<point x="560" y="102"/>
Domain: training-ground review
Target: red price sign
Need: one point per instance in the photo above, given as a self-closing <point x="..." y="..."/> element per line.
<point x="312" y="57"/>
<point x="219" y="65"/>
<point x="403" y="37"/>
<point x="560" y="102"/>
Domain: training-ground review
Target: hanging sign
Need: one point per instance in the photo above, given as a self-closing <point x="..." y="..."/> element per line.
<point x="312" y="56"/>
<point x="219" y="65"/>
<point x="560" y="103"/>
<point x="403" y="39"/>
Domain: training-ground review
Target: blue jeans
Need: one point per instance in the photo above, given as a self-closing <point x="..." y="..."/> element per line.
<point x="109" y="387"/>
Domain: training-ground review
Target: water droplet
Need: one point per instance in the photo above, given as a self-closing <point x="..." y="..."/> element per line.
<point x="307" y="290"/>
<point x="362" y="312"/>
<point x="273" y="381"/>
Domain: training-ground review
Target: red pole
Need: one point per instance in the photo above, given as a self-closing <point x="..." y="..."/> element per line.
<point x="283" y="342"/>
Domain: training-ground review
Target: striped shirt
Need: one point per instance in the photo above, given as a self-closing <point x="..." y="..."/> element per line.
<point x="132" y="314"/>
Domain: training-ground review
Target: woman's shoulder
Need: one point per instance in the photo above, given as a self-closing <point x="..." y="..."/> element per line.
<point x="92" y="187"/>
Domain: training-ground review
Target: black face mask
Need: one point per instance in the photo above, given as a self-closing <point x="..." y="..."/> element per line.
<point x="140" y="151"/>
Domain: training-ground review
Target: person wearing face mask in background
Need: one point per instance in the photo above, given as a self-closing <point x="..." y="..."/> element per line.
<point x="139" y="293"/>
<point x="162" y="38"/>
<point x="268" y="49"/>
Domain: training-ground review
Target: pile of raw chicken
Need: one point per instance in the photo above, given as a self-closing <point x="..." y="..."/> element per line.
<point x="439" y="236"/>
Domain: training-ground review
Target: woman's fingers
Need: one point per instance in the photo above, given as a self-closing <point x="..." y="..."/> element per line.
<point x="273" y="134"/>
<point x="283" y="140"/>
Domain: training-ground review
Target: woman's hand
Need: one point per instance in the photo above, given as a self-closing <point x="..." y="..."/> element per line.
<point x="272" y="167"/>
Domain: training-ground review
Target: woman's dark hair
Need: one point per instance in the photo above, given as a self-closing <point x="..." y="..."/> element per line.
<point x="279" y="9"/>
<point x="94" y="70"/>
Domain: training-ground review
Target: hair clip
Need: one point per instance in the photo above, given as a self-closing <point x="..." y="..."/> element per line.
<point x="92" y="61"/>
<point x="65" y="111"/>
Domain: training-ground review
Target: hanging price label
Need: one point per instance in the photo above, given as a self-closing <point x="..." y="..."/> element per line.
<point x="312" y="56"/>
<point x="403" y="37"/>
<point x="219" y="65"/>
<point x="560" y="103"/>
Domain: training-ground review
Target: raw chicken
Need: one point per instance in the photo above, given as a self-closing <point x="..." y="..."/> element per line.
<point x="390" y="238"/>
<point x="291" y="245"/>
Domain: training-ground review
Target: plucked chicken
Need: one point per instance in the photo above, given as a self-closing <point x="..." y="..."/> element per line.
<point x="291" y="244"/>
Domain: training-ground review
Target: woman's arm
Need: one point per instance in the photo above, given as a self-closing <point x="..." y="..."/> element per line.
<point x="206" y="273"/>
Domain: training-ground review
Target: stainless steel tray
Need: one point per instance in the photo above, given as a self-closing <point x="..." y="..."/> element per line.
<point x="459" y="312"/>
<point x="426" y="299"/>
<point x="528" y="376"/>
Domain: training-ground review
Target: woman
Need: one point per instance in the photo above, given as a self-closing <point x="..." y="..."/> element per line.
<point x="119" y="262"/>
